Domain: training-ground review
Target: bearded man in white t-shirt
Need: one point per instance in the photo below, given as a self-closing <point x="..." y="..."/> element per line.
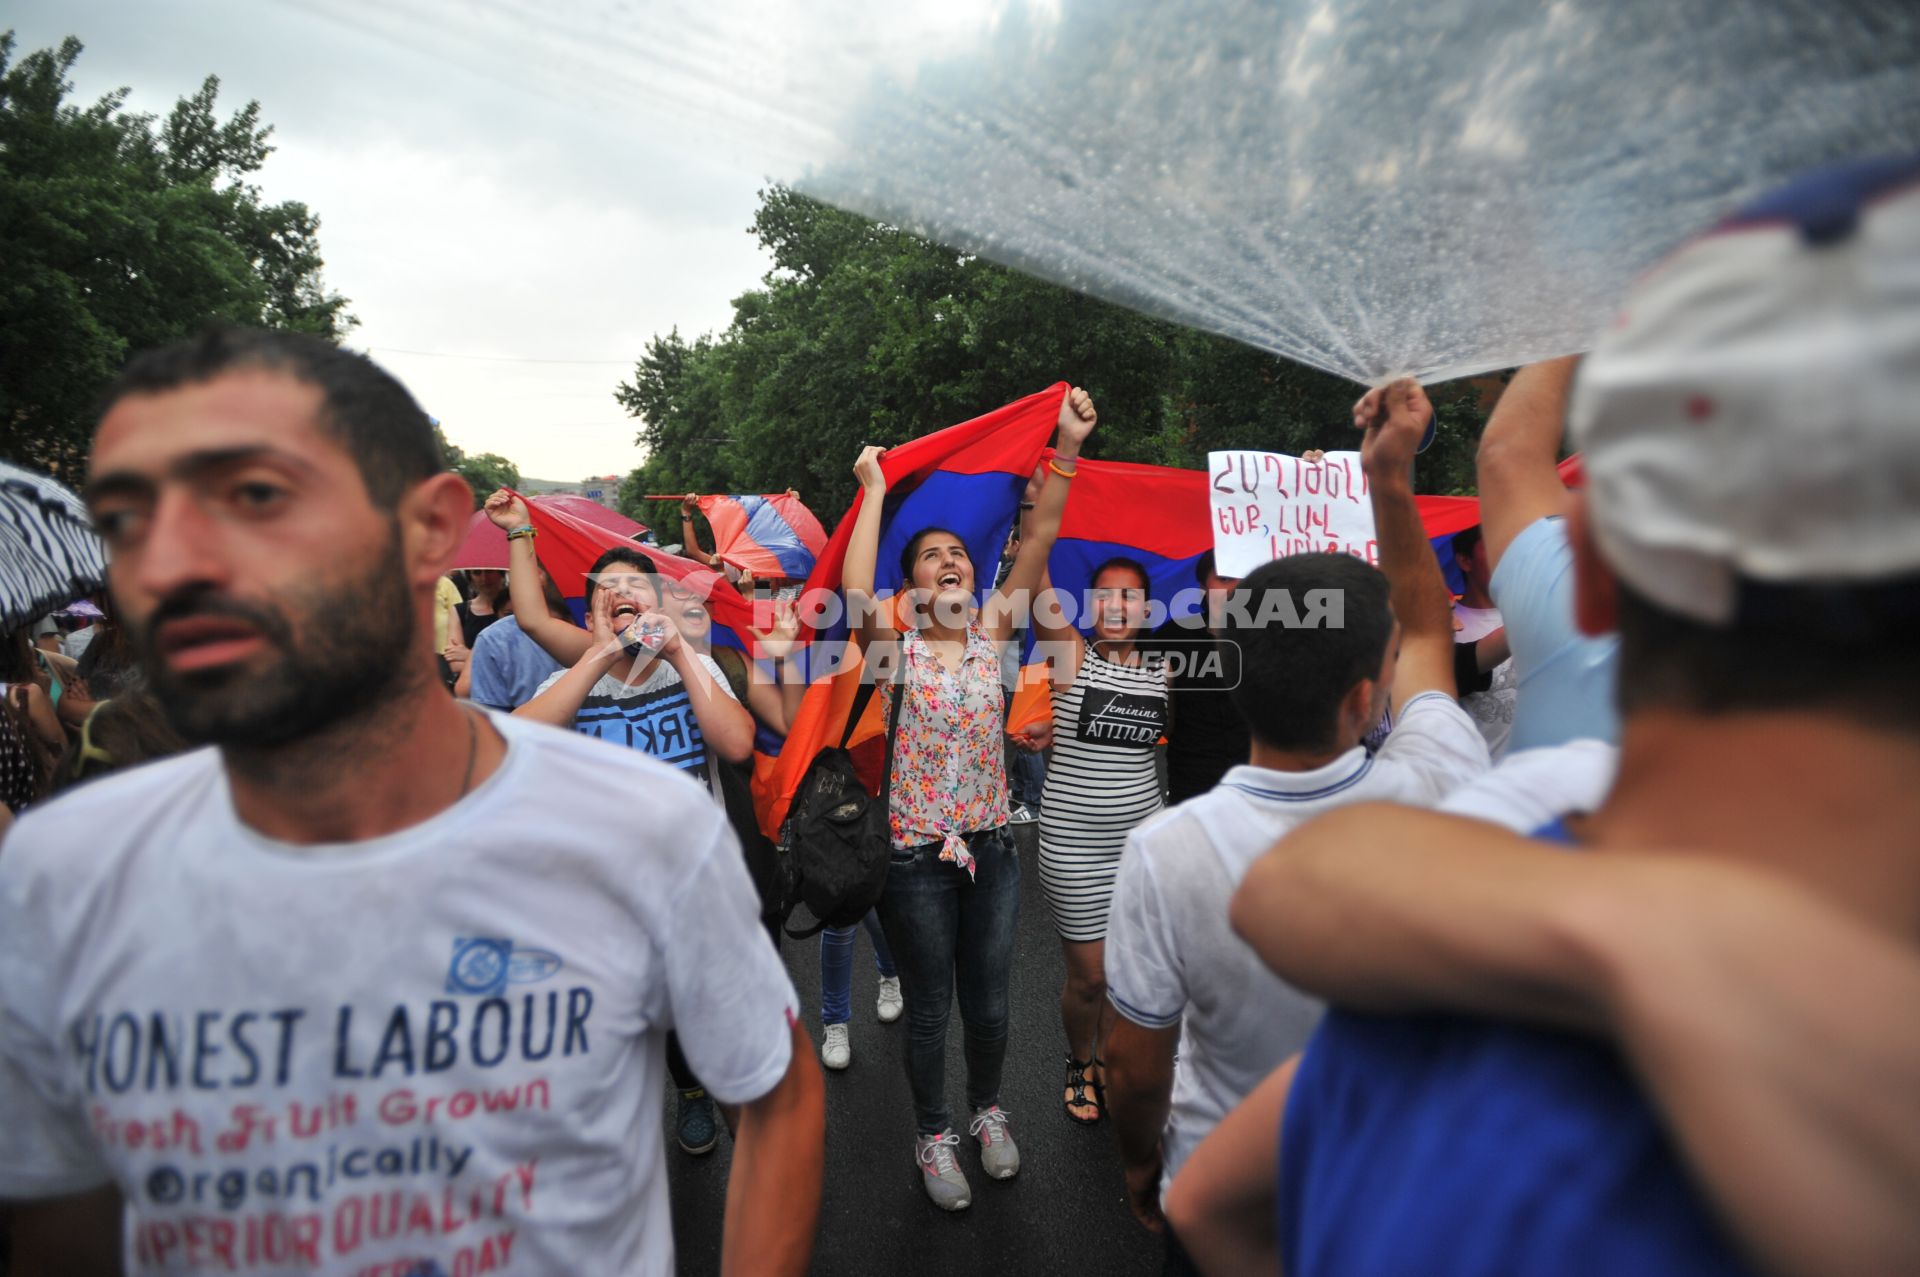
<point x="376" y="982"/>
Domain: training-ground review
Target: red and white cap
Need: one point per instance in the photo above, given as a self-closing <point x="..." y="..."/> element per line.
<point x="1753" y="416"/>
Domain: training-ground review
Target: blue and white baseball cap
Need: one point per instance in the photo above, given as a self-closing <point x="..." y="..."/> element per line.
<point x="1752" y="419"/>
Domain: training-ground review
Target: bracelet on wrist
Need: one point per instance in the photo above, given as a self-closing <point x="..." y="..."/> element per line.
<point x="517" y="533"/>
<point x="1064" y="474"/>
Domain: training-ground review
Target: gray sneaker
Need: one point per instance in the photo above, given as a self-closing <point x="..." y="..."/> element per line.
<point x="836" y="1052"/>
<point x="999" y="1155"/>
<point x="940" y="1170"/>
<point x="889" y="1004"/>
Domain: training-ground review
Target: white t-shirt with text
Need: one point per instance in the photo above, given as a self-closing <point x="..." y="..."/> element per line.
<point x="654" y="715"/>
<point x="440" y="1051"/>
<point x="1172" y="958"/>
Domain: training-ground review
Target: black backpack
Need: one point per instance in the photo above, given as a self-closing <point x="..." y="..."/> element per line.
<point x="834" y="857"/>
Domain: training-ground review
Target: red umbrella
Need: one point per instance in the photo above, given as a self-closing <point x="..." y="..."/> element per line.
<point x="486" y="544"/>
<point x="592" y="512"/>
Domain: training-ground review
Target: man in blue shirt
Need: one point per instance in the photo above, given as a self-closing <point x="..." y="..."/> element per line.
<point x="508" y="667"/>
<point x="1565" y="678"/>
<point x="1750" y="530"/>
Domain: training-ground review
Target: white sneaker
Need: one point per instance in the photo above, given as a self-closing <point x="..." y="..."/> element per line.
<point x="999" y="1155"/>
<point x="890" y="1004"/>
<point x="941" y="1170"/>
<point x="836" y="1052"/>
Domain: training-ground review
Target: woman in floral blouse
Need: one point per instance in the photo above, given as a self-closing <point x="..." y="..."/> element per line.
<point x="952" y="898"/>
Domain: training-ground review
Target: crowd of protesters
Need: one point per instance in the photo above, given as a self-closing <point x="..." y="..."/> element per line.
<point x="1559" y="926"/>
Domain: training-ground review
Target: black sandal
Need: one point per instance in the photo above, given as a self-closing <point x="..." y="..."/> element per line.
<point x="1100" y="1087"/>
<point x="1083" y="1093"/>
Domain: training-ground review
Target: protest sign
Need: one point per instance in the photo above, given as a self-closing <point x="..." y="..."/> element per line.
<point x="1267" y="505"/>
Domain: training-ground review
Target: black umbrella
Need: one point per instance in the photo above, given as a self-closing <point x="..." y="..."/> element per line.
<point x="49" y="553"/>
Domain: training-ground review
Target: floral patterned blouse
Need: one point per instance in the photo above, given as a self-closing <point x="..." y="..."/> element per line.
<point x="949" y="761"/>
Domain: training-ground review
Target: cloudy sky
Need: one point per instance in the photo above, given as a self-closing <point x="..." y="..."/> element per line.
<point x="517" y="195"/>
<point x="527" y="248"/>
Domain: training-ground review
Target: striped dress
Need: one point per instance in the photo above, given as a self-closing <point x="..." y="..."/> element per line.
<point x="1101" y="782"/>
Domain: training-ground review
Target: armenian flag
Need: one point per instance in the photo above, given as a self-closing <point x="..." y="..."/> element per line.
<point x="1158" y="516"/>
<point x="966" y="479"/>
<point x="568" y="546"/>
<point x="770" y="536"/>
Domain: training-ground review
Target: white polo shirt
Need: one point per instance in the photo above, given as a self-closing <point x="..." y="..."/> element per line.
<point x="1172" y="959"/>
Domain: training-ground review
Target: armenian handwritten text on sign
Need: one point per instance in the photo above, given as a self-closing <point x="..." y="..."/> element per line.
<point x="1267" y="505"/>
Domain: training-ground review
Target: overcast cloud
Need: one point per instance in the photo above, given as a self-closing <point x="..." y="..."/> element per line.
<point x="1236" y="165"/>
<point x="462" y="215"/>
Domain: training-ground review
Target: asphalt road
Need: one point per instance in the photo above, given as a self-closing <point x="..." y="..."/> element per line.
<point x="1065" y="1213"/>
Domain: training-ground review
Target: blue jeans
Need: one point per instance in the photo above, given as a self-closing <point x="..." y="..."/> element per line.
<point x="836" y="966"/>
<point x="950" y="935"/>
<point x="1026" y="776"/>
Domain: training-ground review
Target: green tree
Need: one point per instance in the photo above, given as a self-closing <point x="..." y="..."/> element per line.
<point x="451" y="454"/>
<point x="487" y="472"/>
<point x="484" y="472"/>
<point x="865" y="333"/>
<point x="124" y="231"/>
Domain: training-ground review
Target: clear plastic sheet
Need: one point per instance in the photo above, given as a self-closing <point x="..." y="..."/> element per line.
<point x="1374" y="187"/>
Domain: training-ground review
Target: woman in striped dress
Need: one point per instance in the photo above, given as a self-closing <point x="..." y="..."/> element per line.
<point x="1109" y="711"/>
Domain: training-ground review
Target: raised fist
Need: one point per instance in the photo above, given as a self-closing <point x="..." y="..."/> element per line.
<point x="1394" y="416"/>
<point x="867" y="469"/>
<point x="1077" y="419"/>
<point x="508" y="511"/>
